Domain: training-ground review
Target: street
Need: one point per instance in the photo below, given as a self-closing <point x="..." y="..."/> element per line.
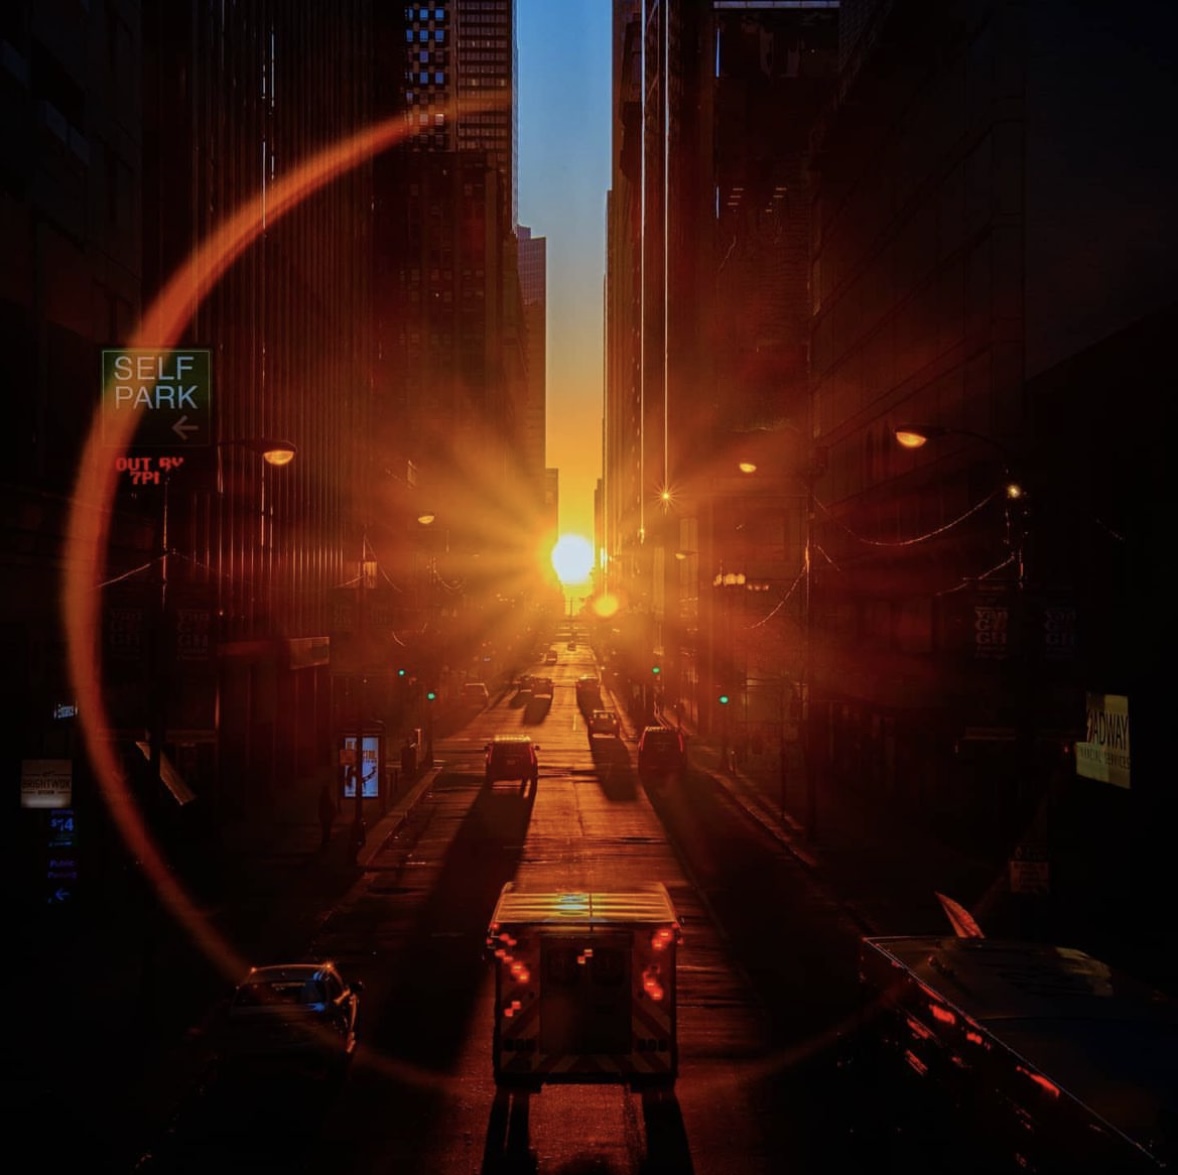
<point x="766" y="980"/>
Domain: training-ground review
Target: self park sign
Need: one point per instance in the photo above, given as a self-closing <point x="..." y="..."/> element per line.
<point x="167" y="393"/>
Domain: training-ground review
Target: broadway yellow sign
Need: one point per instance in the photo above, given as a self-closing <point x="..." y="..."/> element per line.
<point x="1104" y="754"/>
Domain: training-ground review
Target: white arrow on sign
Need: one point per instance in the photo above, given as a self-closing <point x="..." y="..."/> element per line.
<point x="180" y="428"/>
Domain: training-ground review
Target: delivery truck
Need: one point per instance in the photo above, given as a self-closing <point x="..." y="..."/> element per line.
<point x="585" y="987"/>
<point x="1005" y="1055"/>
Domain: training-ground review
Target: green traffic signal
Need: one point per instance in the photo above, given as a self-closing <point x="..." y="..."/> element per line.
<point x="656" y="670"/>
<point x="723" y="699"/>
<point x="431" y="696"/>
<point x="400" y="672"/>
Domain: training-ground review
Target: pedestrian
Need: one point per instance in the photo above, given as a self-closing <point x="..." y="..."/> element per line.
<point x="326" y="815"/>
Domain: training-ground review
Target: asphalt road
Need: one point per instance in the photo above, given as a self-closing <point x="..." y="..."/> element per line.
<point x="766" y="982"/>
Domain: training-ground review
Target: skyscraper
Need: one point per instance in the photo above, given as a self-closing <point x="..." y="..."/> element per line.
<point x="533" y="280"/>
<point x="462" y="54"/>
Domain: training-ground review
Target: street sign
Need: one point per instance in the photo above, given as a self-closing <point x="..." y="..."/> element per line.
<point x="1030" y="871"/>
<point x="167" y="393"/>
<point x="46" y="783"/>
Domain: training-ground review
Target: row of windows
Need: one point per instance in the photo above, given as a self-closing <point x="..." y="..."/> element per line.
<point x="423" y="35"/>
<point x="425" y="14"/>
<point x="422" y="79"/>
<point x="438" y="56"/>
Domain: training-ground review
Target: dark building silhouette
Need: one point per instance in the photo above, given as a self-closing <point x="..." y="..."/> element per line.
<point x="706" y="343"/>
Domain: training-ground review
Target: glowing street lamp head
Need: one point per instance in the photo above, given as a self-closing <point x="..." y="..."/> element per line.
<point x="910" y="438"/>
<point x="273" y="452"/>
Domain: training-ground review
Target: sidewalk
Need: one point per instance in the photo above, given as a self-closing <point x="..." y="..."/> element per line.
<point x="886" y="867"/>
<point x="123" y="989"/>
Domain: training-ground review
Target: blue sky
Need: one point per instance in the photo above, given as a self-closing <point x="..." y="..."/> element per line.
<point x="564" y="174"/>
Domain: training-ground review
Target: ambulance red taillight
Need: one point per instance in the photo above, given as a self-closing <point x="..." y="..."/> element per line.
<point x="662" y="938"/>
<point x="651" y="984"/>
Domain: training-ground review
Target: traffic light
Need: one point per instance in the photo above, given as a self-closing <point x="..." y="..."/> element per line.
<point x="402" y="672"/>
<point x="656" y="669"/>
<point x="723" y="699"/>
<point x="431" y="695"/>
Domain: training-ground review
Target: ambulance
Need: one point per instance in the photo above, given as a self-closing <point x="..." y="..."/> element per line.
<point x="585" y="987"/>
<point x="998" y="1055"/>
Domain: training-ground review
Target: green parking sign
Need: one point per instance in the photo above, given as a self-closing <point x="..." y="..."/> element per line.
<point x="167" y="394"/>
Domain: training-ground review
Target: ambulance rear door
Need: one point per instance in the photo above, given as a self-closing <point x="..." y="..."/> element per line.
<point x="585" y="1003"/>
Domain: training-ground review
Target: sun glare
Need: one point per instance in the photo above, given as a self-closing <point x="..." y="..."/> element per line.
<point x="572" y="558"/>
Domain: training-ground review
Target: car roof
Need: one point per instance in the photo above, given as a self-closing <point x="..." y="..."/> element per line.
<point x="660" y="732"/>
<point x="511" y="738"/>
<point x="287" y="972"/>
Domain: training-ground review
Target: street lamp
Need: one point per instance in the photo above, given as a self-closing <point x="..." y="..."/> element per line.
<point x="1016" y="526"/>
<point x="812" y="467"/>
<point x="273" y="451"/>
<point x="916" y="436"/>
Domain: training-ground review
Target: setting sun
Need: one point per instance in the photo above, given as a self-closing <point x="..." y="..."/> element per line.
<point x="572" y="559"/>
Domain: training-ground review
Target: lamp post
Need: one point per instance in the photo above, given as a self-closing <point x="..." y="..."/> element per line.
<point x="815" y="458"/>
<point x="1016" y="527"/>
<point x="274" y="452"/>
<point x="365" y="582"/>
<point x="161" y="655"/>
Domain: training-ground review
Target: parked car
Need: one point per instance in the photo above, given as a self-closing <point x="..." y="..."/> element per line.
<point x="512" y="756"/>
<point x="604" y="722"/>
<point x="550" y="657"/>
<point x="661" y="753"/>
<point x="475" y="693"/>
<point x="298" y="1018"/>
